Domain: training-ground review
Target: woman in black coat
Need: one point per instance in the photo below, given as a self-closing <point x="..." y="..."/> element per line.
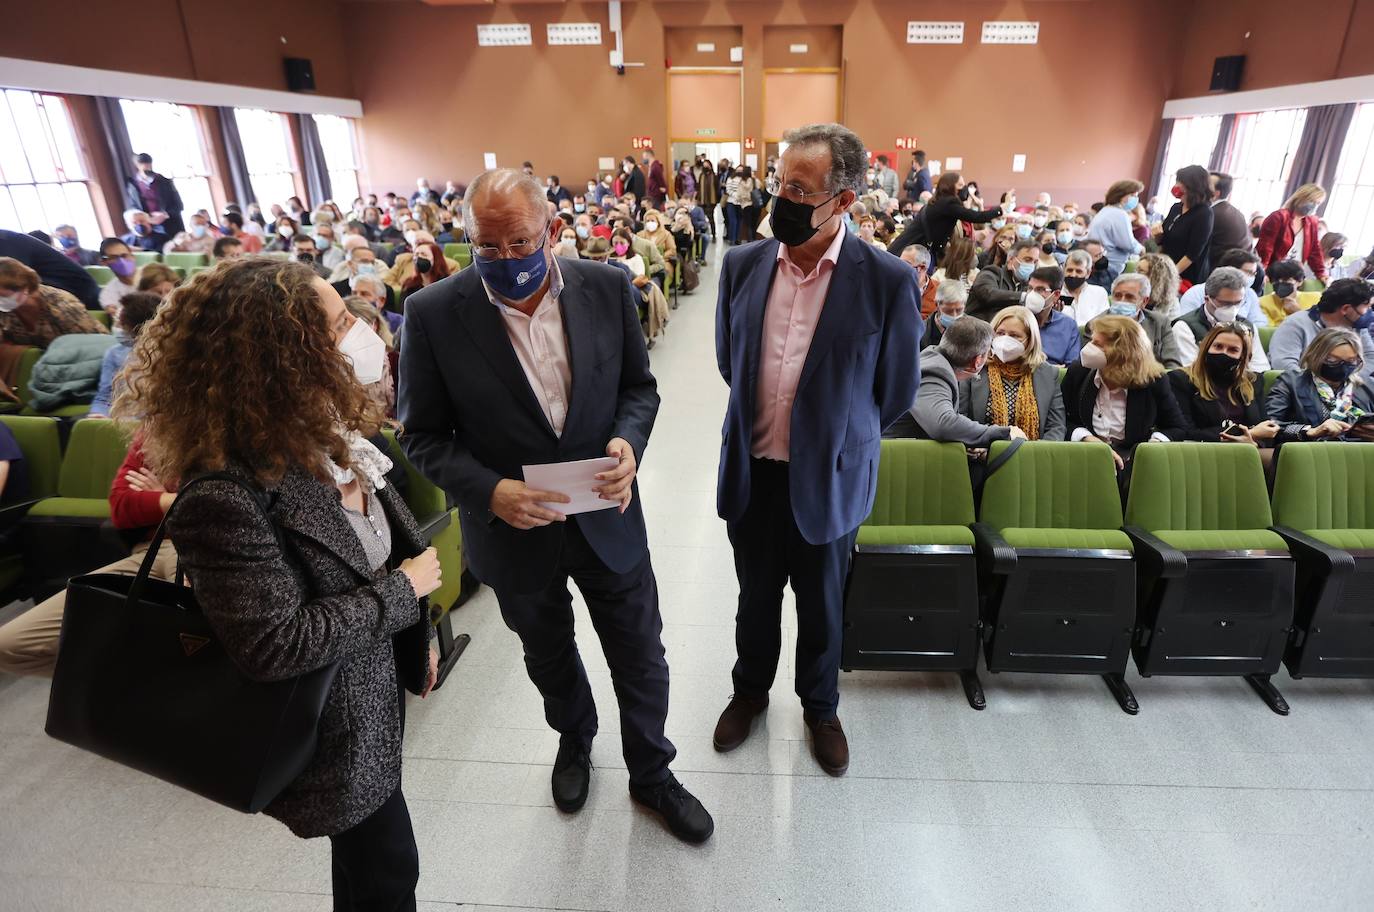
<point x="1185" y="235"/>
<point x="934" y="224"/>
<point x="1217" y="391"/>
<point x="328" y="567"/>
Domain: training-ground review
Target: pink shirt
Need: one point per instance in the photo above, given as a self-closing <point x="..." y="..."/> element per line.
<point x="541" y="347"/>
<point x="789" y="322"/>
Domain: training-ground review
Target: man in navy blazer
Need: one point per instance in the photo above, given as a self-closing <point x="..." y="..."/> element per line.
<point x="529" y="359"/>
<point x="818" y="336"/>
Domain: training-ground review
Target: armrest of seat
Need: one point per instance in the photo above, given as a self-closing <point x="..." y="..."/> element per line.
<point x="11" y="514"/>
<point x="1331" y="561"/>
<point x="994" y="555"/>
<point x="1157" y="558"/>
<point x="434" y="523"/>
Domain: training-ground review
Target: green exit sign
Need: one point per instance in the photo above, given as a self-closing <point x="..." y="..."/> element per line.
<point x="706" y="131"/>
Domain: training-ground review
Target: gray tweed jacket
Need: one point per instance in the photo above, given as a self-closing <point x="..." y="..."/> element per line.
<point x="285" y="609"/>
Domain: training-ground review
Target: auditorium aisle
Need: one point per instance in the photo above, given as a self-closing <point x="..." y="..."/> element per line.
<point x="1051" y="799"/>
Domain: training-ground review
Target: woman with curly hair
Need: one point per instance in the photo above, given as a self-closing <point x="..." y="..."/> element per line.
<point x="1164" y="282"/>
<point x="331" y="571"/>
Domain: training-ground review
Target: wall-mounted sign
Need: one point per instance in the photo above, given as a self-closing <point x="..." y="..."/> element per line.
<point x="706" y="47"/>
<point x="706" y="131"/>
<point x="749" y="143"/>
<point x="799" y="48"/>
<point x="642" y="142"/>
<point x="905" y="142"/>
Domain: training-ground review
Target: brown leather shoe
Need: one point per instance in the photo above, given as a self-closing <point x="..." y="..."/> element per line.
<point x="828" y="744"/>
<point x="737" y="720"/>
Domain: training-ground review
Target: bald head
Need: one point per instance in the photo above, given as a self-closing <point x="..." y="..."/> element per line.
<point x="504" y="206"/>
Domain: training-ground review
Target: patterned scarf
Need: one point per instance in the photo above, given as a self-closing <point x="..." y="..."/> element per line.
<point x="1341" y="407"/>
<point x="1011" y="397"/>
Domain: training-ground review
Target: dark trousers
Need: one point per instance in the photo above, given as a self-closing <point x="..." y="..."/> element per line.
<point x="731" y="222"/>
<point x="769" y="552"/>
<point x="376" y="864"/>
<point x="624" y="610"/>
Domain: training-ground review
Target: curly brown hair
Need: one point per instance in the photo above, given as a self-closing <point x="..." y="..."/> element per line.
<point x="240" y="365"/>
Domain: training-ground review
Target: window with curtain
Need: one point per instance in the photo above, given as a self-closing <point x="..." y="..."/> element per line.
<point x="1191" y="143"/>
<point x="340" y="147"/>
<point x="43" y="180"/>
<point x="1350" y="203"/>
<point x="267" y="149"/>
<point x="1259" y="157"/>
<point x="171" y="134"/>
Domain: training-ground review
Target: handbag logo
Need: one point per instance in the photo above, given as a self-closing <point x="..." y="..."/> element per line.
<point x="192" y="644"/>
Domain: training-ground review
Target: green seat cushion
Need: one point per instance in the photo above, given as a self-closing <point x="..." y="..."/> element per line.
<point x="915" y="535"/>
<point x="76" y="410"/>
<point x="1222" y="539"/>
<point x="82" y="507"/>
<point x="1110" y="539"/>
<point x="1049" y="484"/>
<point x="1349" y="539"/>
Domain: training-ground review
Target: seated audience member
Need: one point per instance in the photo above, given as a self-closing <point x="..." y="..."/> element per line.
<point x="296" y="209"/>
<point x="158" y="278"/>
<point x="54" y="270"/>
<point x="1130" y="295"/>
<point x="1328" y="394"/>
<point x="1002" y="238"/>
<point x="195" y="239"/>
<point x="361" y="261"/>
<point x="14" y="488"/>
<point x="373" y="290"/>
<point x="331" y="254"/>
<point x="598" y="250"/>
<point x="285" y="229"/>
<point x="1063" y="240"/>
<point x="657" y="233"/>
<point x="684" y="236"/>
<point x="1004" y="286"/>
<point x="654" y="265"/>
<point x="1333" y="251"/>
<point x="403" y="268"/>
<point x="1286" y="298"/>
<point x="960" y="263"/>
<point x="949" y="297"/>
<point x="1250" y="309"/>
<point x="1081" y="299"/>
<point x="1112" y="228"/>
<point x="1045" y="238"/>
<point x="1017" y="387"/>
<point x="143" y="234"/>
<point x="119" y="259"/>
<point x="34" y="314"/>
<point x="624" y="253"/>
<point x="372" y="223"/>
<point x="135" y="310"/>
<point x="1343" y="305"/>
<point x="1218" y="396"/>
<point x="1118" y="393"/>
<point x="868" y="232"/>
<point x="138" y="500"/>
<point x="1058" y="336"/>
<point x="961" y="353"/>
<point x="359" y="231"/>
<point x="567" y="244"/>
<point x="1223" y="293"/>
<point x="70" y="246"/>
<point x="430" y="265"/>
<point x="226" y="248"/>
<point x="918" y="258"/>
<point x="233" y="228"/>
<point x="382" y="392"/>
<point x="1164" y="281"/>
<point x="303" y="250"/>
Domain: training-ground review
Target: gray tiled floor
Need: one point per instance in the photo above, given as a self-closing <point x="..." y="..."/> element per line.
<point x="1051" y="799"/>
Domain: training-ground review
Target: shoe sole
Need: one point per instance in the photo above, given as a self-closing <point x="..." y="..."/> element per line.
<point x="571" y="808"/>
<point x="689" y="840"/>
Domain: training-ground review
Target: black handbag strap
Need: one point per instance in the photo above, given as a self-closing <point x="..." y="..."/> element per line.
<point x="260" y="497"/>
<point x="1001" y="458"/>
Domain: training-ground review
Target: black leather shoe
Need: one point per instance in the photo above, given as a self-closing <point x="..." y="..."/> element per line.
<point x="572" y="777"/>
<point x="682" y="812"/>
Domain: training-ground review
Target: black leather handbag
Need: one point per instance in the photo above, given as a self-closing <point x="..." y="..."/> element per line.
<point x="142" y="679"/>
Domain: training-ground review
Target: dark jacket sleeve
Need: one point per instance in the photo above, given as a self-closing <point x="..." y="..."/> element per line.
<point x="171" y="197"/>
<point x="1054" y="423"/>
<point x="1283" y="407"/>
<point x="1072" y="391"/>
<point x="1192" y="428"/>
<point x="989" y="295"/>
<point x="637" y="406"/>
<point x="898" y="374"/>
<point x="723" y="302"/>
<point x="1167" y="413"/>
<point x="270" y="625"/>
<point x="912" y="231"/>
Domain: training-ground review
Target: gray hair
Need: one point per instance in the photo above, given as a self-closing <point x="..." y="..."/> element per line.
<point x="377" y="284"/>
<point x="949" y="291"/>
<point x="507" y="180"/>
<point x="848" y="158"/>
<point x="1141" y="279"/>
<point x="920" y="251"/>
<point x="1224" y="277"/>
<point x="965" y="341"/>
<point x="1081" y="257"/>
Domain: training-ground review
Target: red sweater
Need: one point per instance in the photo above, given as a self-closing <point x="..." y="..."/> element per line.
<point x="1276" y="239"/>
<point x="130" y="509"/>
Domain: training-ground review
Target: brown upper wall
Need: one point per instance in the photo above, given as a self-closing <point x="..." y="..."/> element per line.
<point x="680" y="45"/>
<point x="824" y="46"/>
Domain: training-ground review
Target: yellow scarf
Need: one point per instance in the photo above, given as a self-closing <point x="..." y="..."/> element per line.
<point x="1027" y="409"/>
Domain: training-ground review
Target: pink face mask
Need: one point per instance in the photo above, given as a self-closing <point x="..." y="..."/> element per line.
<point x="621" y="248"/>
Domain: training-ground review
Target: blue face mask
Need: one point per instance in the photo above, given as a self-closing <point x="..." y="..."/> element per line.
<point x="1130" y="203"/>
<point x="579" y="207"/>
<point x="998" y="223"/>
<point x="1023" y="230"/>
<point x="1024" y="270"/>
<point x="514" y="280"/>
<point x="67" y="242"/>
<point x="945" y="319"/>
<point x="1122" y="308"/>
<point x="583" y="232"/>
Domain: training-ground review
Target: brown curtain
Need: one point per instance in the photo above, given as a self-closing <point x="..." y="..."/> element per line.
<point x="1218" y="159"/>
<point x="237" y="181"/>
<point x="313" y="165"/>
<point x="1319" y="149"/>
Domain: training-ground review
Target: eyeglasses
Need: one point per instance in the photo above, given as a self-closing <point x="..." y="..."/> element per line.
<point x="520" y="249"/>
<point x="790" y="192"/>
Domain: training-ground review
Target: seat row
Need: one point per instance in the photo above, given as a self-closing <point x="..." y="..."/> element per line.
<point x="65" y="529"/>
<point x="1202" y="575"/>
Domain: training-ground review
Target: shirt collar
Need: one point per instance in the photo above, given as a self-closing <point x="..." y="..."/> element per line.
<point x="831" y="255"/>
<point x="555" y="287"/>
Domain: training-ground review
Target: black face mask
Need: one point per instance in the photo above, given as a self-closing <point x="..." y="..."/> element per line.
<point x="1099" y="264"/>
<point x="1284" y="289"/>
<point x="1337" y="374"/>
<point x="1337" y="253"/>
<point x="1047" y="247"/>
<point x="1254" y="230"/>
<point x="791" y="221"/>
<point x="1220" y="367"/>
<point x="1073" y="283"/>
<point x="963" y="193"/>
<point x="305" y="257"/>
<point x="423" y="265"/>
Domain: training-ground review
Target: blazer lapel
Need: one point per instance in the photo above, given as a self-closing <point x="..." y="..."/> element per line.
<point x="483" y="320"/>
<point x="843" y="283"/>
<point x="579" y="325"/>
<point x="311" y="508"/>
<point x="753" y="291"/>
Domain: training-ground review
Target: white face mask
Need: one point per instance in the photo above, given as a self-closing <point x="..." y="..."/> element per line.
<point x="1007" y="349"/>
<point x="286" y="231"/>
<point x="366" y="350"/>
<point x="1092" y="357"/>
<point x="1225" y="313"/>
<point x="651" y="226"/>
<point x="9" y="303"/>
<point x="410" y="236"/>
<point x="198" y="231"/>
<point x="1035" y="302"/>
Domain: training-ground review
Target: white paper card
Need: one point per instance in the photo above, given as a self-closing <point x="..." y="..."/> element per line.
<point x="488" y="160"/>
<point x="706" y="47"/>
<point x="606" y="163"/>
<point x="954" y="163"/>
<point x="752" y="160"/>
<point x="1018" y="163"/>
<point x="737" y="55"/>
<point x="575" y="479"/>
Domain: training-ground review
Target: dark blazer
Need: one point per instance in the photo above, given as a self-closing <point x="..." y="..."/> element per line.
<point x="54" y="268"/>
<point x="1148" y="408"/>
<point x="1189" y="234"/>
<point x="284" y="609"/>
<point x="942" y="214"/>
<point x="471" y="418"/>
<point x="169" y="201"/>
<point x="860" y="375"/>
<point x="1203" y="416"/>
<point x="1230" y="230"/>
<point x="1293" y="403"/>
<point x="996" y="287"/>
<point x="973" y="400"/>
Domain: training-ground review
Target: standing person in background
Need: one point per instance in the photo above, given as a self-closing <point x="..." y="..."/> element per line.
<point x="817" y="336"/>
<point x="632" y="179"/>
<point x="1291" y="233"/>
<point x="143" y="232"/>
<point x="1185" y="235"/>
<point x="1112" y="225"/>
<point x="887" y="177"/>
<point x="1229" y="231"/>
<point x="918" y="178"/>
<point x="708" y="192"/>
<point x="945" y="210"/>
<point x="70" y="246"/>
<point x="684" y="182"/>
<point x="156" y="195"/>
<point x="656" y="184"/>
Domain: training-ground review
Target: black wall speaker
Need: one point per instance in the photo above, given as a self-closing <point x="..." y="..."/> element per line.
<point x="300" y="76"/>
<point x="1226" y="73"/>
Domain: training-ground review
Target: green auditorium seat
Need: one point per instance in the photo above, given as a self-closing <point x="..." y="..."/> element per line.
<point x="439" y="523"/>
<point x="41" y="445"/>
<point x="1265" y="334"/>
<point x="911" y="603"/>
<point x="462" y="253"/>
<point x="103" y="275"/>
<point x="66" y="535"/>
<point x="184" y="261"/>
<point x="27" y="359"/>
<point x="1324" y="509"/>
<point x="101" y="317"/>
<point x="143" y="257"/>
<point x="1312" y="285"/>
<point x="1216" y="582"/>
<point x="1055" y="568"/>
<point x="1269" y="377"/>
<point x="193" y="271"/>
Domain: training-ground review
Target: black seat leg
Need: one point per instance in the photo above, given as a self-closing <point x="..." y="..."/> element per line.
<point x="1268" y="692"/>
<point x="1116" y="683"/>
<point x="450" y="647"/>
<point x="973" y="689"/>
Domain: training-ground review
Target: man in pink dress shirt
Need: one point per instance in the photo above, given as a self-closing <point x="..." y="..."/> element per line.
<point x="817" y="334"/>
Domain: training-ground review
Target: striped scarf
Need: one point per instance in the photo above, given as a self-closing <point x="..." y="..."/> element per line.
<point x="1020" y="409"/>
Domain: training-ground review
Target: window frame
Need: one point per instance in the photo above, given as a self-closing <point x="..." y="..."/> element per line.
<point x="260" y="180"/>
<point x="194" y="182"/>
<point x="352" y="169"/>
<point x="68" y="197"/>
